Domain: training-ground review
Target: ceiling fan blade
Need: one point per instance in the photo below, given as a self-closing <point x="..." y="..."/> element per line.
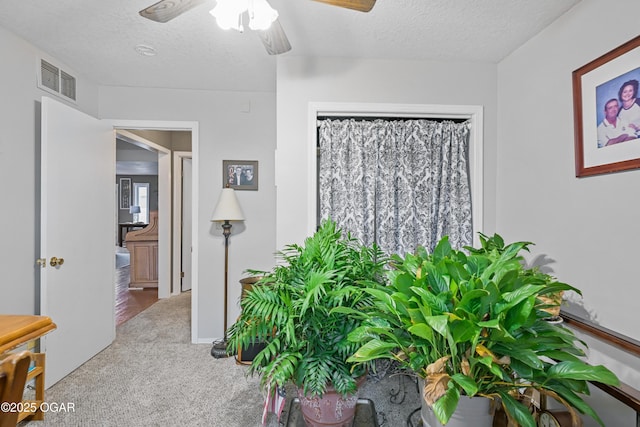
<point x="166" y="10"/>
<point x="274" y="39"/>
<point x="360" y="5"/>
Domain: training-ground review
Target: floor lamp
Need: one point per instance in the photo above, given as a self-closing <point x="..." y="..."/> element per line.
<point x="227" y="209"/>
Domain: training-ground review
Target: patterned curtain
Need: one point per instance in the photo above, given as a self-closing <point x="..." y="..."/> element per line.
<point x="348" y="164"/>
<point x="399" y="183"/>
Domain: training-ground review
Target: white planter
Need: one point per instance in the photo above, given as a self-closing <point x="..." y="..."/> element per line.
<point x="471" y="411"/>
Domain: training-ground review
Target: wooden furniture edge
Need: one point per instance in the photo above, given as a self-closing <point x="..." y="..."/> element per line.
<point x="26" y="338"/>
<point x="624" y="392"/>
<point x="16" y="341"/>
<point x="607" y="335"/>
<point x="24" y="324"/>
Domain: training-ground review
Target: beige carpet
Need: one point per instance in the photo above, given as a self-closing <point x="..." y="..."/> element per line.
<point x="153" y="376"/>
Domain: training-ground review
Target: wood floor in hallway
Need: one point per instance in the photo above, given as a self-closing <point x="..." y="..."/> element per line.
<point x="130" y="302"/>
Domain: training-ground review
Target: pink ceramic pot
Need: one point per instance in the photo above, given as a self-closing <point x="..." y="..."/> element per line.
<point x="330" y="410"/>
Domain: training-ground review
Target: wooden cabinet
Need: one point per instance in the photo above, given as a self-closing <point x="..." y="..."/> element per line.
<point x="143" y="247"/>
<point x="144" y="264"/>
<point x="17" y="330"/>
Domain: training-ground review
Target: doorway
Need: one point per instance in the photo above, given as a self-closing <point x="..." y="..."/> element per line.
<point x="193" y="127"/>
<point x="169" y="203"/>
<point x="137" y="168"/>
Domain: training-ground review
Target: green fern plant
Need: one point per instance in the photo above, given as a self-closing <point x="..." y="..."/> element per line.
<point x="301" y="310"/>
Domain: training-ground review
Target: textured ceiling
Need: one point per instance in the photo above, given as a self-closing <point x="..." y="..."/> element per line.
<point x="97" y="39"/>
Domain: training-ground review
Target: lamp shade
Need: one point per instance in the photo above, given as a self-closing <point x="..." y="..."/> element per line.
<point x="228" y="208"/>
<point x="134" y="209"/>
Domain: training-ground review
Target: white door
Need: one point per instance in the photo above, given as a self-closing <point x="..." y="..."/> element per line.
<point x="186" y="224"/>
<point x="77" y="225"/>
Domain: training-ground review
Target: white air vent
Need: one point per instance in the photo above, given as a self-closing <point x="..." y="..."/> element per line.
<point x="50" y="76"/>
<point x="54" y="80"/>
<point x="68" y="86"/>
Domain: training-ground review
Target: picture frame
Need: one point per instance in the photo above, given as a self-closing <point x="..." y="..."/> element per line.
<point x="125" y="193"/>
<point x="240" y="174"/>
<point x="601" y="147"/>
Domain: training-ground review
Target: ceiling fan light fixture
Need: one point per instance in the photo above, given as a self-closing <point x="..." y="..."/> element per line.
<point x="228" y="14"/>
<point x="261" y="14"/>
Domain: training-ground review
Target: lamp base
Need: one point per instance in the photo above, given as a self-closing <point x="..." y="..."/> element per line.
<point x="219" y="349"/>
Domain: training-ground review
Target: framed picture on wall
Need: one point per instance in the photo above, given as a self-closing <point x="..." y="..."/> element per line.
<point x="606" y="110"/>
<point x="125" y="193"/>
<point x="240" y="174"/>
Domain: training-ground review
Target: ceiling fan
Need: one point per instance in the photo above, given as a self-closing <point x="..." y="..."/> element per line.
<point x="273" y="38"/>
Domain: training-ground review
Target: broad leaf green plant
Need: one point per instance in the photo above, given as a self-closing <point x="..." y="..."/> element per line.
<point x="473" y="323"/>
<point x="296" y="309"/>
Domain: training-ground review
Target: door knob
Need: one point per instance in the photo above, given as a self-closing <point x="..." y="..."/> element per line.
<point x="56" y="261"/>
<point x="42" y="262"/>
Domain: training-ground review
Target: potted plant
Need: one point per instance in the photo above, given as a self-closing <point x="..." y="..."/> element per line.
<point x="550" y="299"/>
<point x="297" y="310"/>
<point x="472" y="324"/>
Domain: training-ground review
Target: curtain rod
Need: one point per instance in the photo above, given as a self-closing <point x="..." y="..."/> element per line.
<point x="356" y="117"/>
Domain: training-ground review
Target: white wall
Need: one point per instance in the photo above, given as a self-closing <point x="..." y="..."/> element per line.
<point x="303" y="80"/>
<point x="589" y="226"/>
<point x="232" y="126"/>
<point x="19" y="168"/>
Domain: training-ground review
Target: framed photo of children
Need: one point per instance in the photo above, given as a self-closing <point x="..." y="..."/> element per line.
<point x="606" y="111"/>
<point x="240" y="174"/>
